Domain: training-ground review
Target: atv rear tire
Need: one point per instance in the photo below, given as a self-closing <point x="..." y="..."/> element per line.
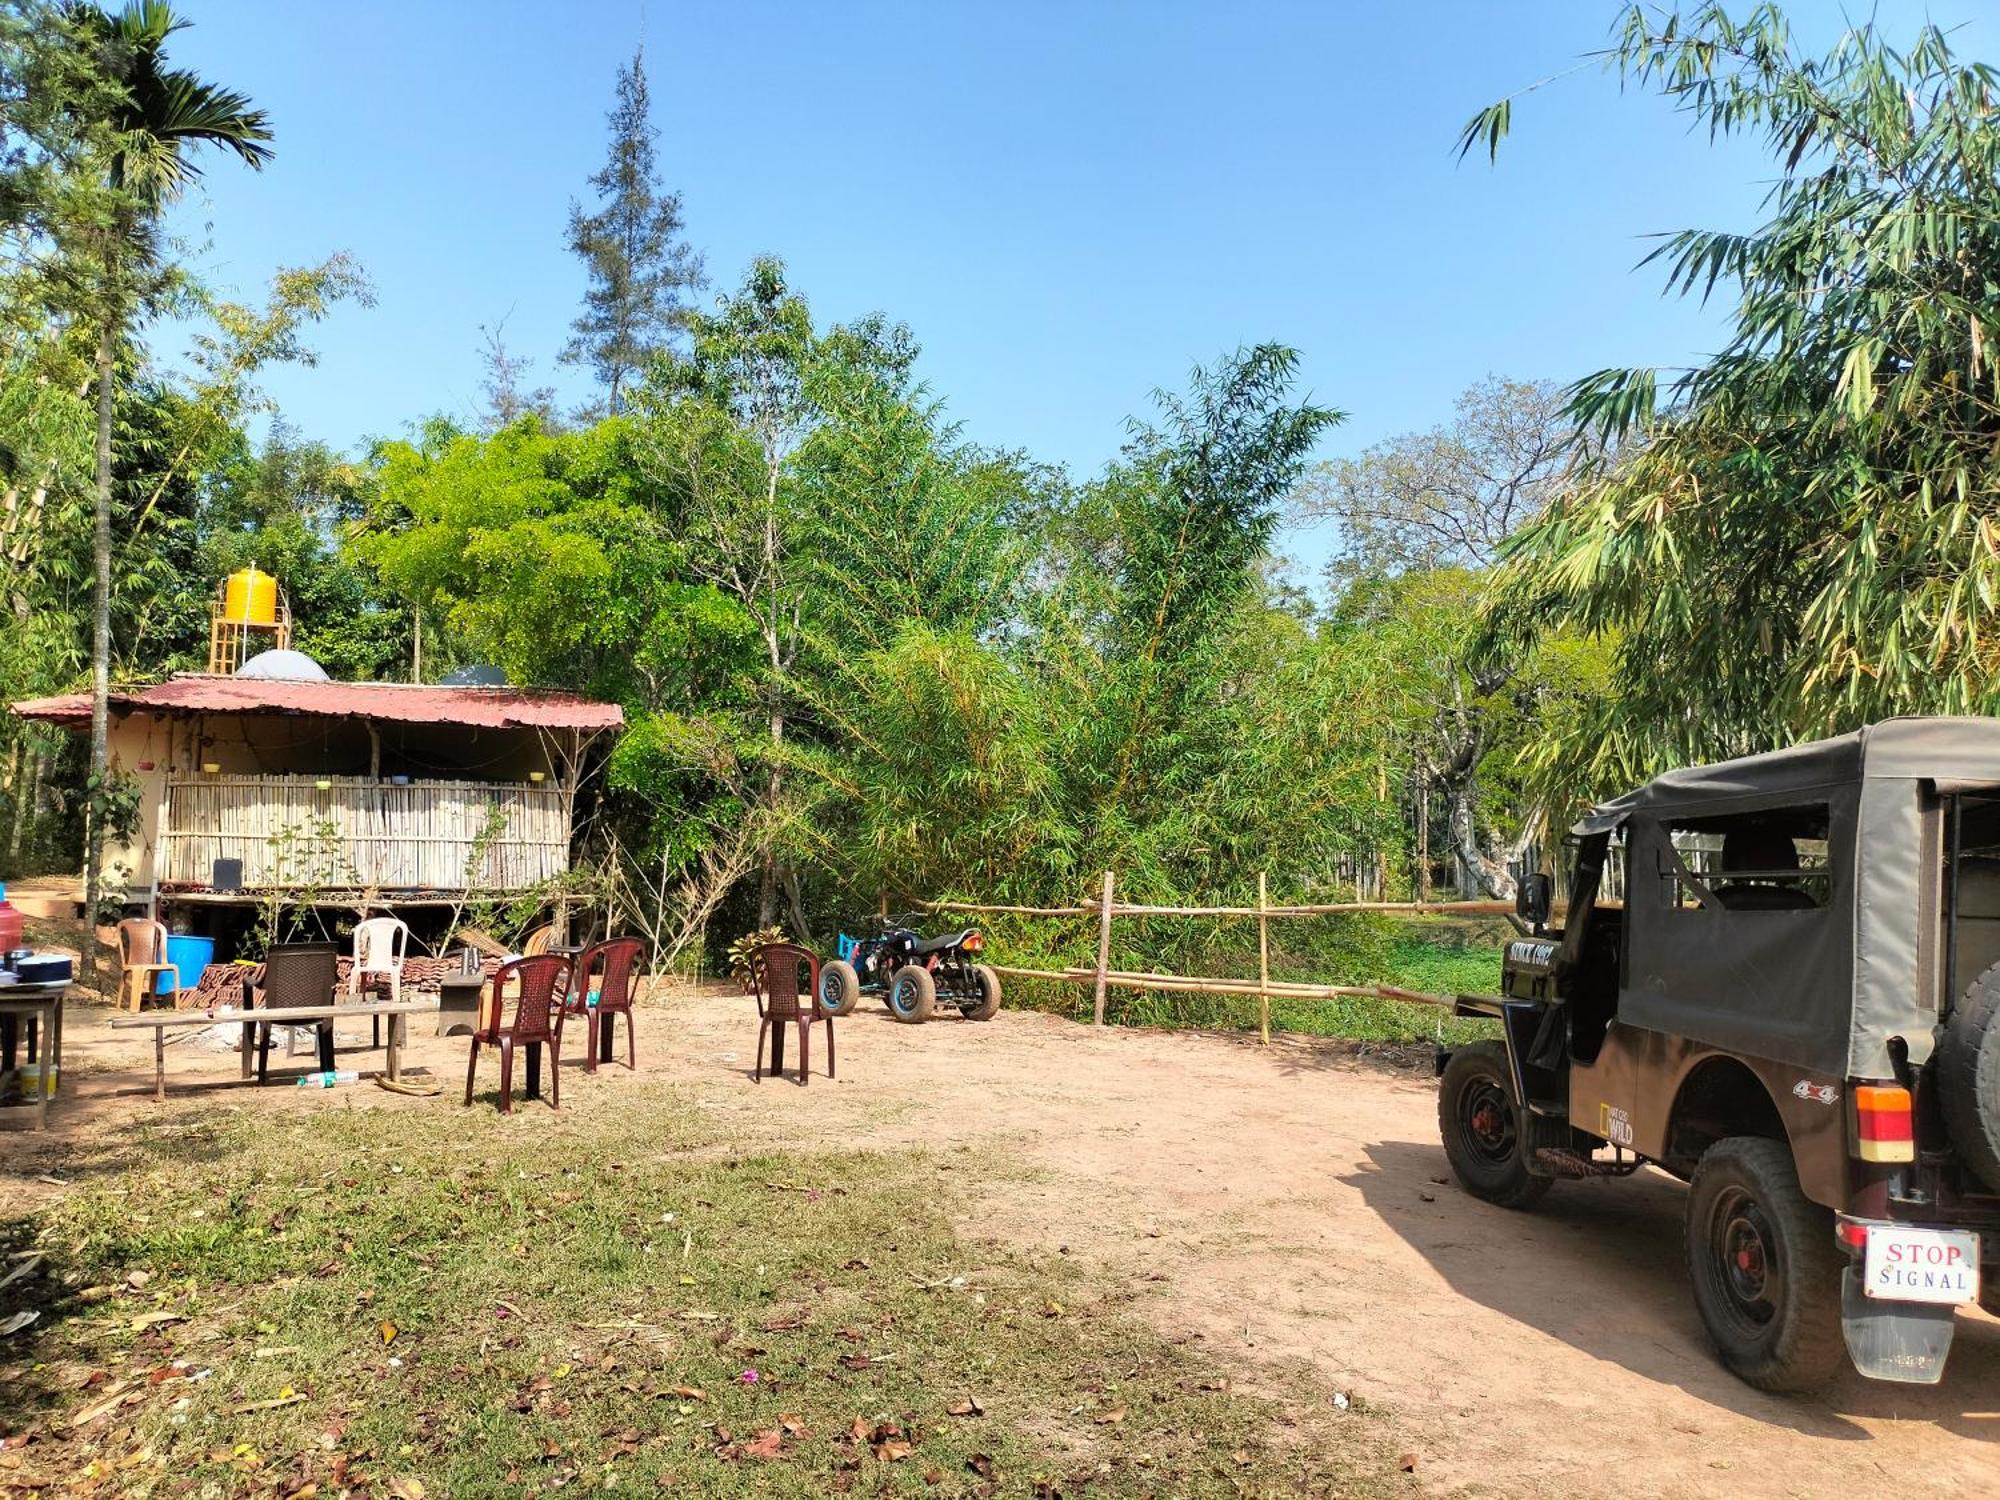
<point x="989" y="994"/>
<point x="839" y="988"/>
<point x="1765" y="1267"/>
<point x="913" y="994"/>
<point x="1483" y="1133"/>
<point x="1968" y="1075"/>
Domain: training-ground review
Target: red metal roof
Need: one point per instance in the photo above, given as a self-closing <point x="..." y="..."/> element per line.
<point x="408" y="703"/>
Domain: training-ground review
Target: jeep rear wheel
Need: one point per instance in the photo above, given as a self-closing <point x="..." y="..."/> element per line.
<point x="1481" y="1126"/>
<point x="1765" y="1268"/>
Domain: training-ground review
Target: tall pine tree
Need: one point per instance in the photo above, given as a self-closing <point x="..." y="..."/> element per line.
<point x="641" y="268"/>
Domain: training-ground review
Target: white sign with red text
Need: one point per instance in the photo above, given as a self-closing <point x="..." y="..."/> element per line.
<point x="1921" y="1265"/>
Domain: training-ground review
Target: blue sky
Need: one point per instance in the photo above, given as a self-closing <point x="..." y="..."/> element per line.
<point x="1069" y="203"/>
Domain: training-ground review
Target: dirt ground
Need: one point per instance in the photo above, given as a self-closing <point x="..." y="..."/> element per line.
<point x="1288" y="1206"/>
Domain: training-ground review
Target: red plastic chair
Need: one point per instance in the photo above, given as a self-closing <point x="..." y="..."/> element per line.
<point x="774" y="980"/>
<point x="617" y="962"/>
<point x="538" y="1018"/>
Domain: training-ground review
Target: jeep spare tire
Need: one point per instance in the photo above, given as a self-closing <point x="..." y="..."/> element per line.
<point x="1968" y="1076"/>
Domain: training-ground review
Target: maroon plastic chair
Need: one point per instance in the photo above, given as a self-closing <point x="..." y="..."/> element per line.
<point x="538" y="1018"/>
<point x="775" y="969"/>
<point x="614" y="964"/>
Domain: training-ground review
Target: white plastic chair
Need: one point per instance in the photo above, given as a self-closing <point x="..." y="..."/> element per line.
<point x="379" y="944"/>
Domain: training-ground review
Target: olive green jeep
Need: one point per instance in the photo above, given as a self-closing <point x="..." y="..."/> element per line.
<point x="1779" y="980"/>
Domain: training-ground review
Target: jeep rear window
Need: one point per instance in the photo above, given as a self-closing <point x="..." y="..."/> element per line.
<point x="1774" y="859"/>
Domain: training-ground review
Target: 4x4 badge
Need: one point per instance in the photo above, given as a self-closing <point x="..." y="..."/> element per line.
<point x="1819" y="1093"/>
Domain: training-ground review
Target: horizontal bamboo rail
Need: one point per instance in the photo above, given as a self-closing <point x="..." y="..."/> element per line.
<point x="1326" y="909"/>
<point x="1283" y="989"/>
<point x="1103" y="977"/>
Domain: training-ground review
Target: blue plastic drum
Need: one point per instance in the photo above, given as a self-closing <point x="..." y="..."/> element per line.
<point x="190" y="955"/>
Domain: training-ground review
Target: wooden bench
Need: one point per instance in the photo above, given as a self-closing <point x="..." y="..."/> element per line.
<point x="292" y="1015"/>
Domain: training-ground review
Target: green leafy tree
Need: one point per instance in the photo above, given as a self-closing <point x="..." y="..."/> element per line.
<point x="1419" y="520"/>
<point x="633" y="247"/>
<point x="1197" y="498"/>
<point x="724" y="426"/>
<point x="1801" y="533"/>
<point x="154" y="116"/>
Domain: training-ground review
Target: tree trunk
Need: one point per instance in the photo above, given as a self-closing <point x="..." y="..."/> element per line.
<point x="27" y="807"/>
<point x="1480" y="874"/>
<point x="1423" y="881"/>
<point x="100" y="644"/>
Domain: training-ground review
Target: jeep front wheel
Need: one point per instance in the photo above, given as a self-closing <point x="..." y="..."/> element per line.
<point x="1765" y="1268"/>
<point x="1481" y="1126"/>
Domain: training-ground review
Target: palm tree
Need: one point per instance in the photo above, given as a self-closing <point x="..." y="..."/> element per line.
<point x="155" y="114"/>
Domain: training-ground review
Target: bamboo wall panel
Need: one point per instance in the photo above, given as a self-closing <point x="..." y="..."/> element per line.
<point x="362" y="833"/>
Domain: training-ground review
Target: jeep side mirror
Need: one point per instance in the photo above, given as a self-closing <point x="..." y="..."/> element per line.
<point x="1534" y="898"/>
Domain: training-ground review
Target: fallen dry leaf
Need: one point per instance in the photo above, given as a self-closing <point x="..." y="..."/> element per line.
<point x="1407" y="1463"/>
<point x="153" y="1320"/>
<point x="893" y="1451"/>
<point x="111" y="1398"/>
<point x="764" y="1445"/>
<point x="1116" y="1414"/>
<point x="980" y="1464"/>
<point x="969" y="1407"/>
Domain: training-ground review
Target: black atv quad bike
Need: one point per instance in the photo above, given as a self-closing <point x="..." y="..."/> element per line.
<point x="913" y="974"/>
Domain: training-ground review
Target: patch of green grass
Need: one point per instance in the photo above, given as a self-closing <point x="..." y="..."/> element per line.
<point x="444" y="1301"/>
<point x="1437" y="957"/>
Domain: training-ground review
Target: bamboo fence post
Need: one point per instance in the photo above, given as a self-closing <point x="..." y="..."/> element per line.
<point x="1263" y="959"/>
<point x="1103" y="951"/>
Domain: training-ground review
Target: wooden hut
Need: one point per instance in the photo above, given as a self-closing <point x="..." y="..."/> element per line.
<point x="359" y="794"/>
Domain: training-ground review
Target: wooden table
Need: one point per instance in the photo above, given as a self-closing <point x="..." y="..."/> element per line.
<point x="290" y="1015"/>
<point x="41" y="1006"/>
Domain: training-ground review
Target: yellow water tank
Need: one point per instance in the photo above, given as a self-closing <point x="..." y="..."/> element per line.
<point x="250" y="597"/>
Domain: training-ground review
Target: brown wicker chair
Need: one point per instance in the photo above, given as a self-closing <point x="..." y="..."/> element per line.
<point x="775" y="970"/>
<point x="297" y="974"/>
<point x="538" y="1016"/>
<point x="616" y="962"/>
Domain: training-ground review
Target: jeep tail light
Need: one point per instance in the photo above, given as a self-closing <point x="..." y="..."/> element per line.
<point x="1851" y="1234"/>
<point x="1884" y="1130"/>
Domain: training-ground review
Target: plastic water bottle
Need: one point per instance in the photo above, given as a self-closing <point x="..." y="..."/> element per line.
<point x="328" y="1080"/>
